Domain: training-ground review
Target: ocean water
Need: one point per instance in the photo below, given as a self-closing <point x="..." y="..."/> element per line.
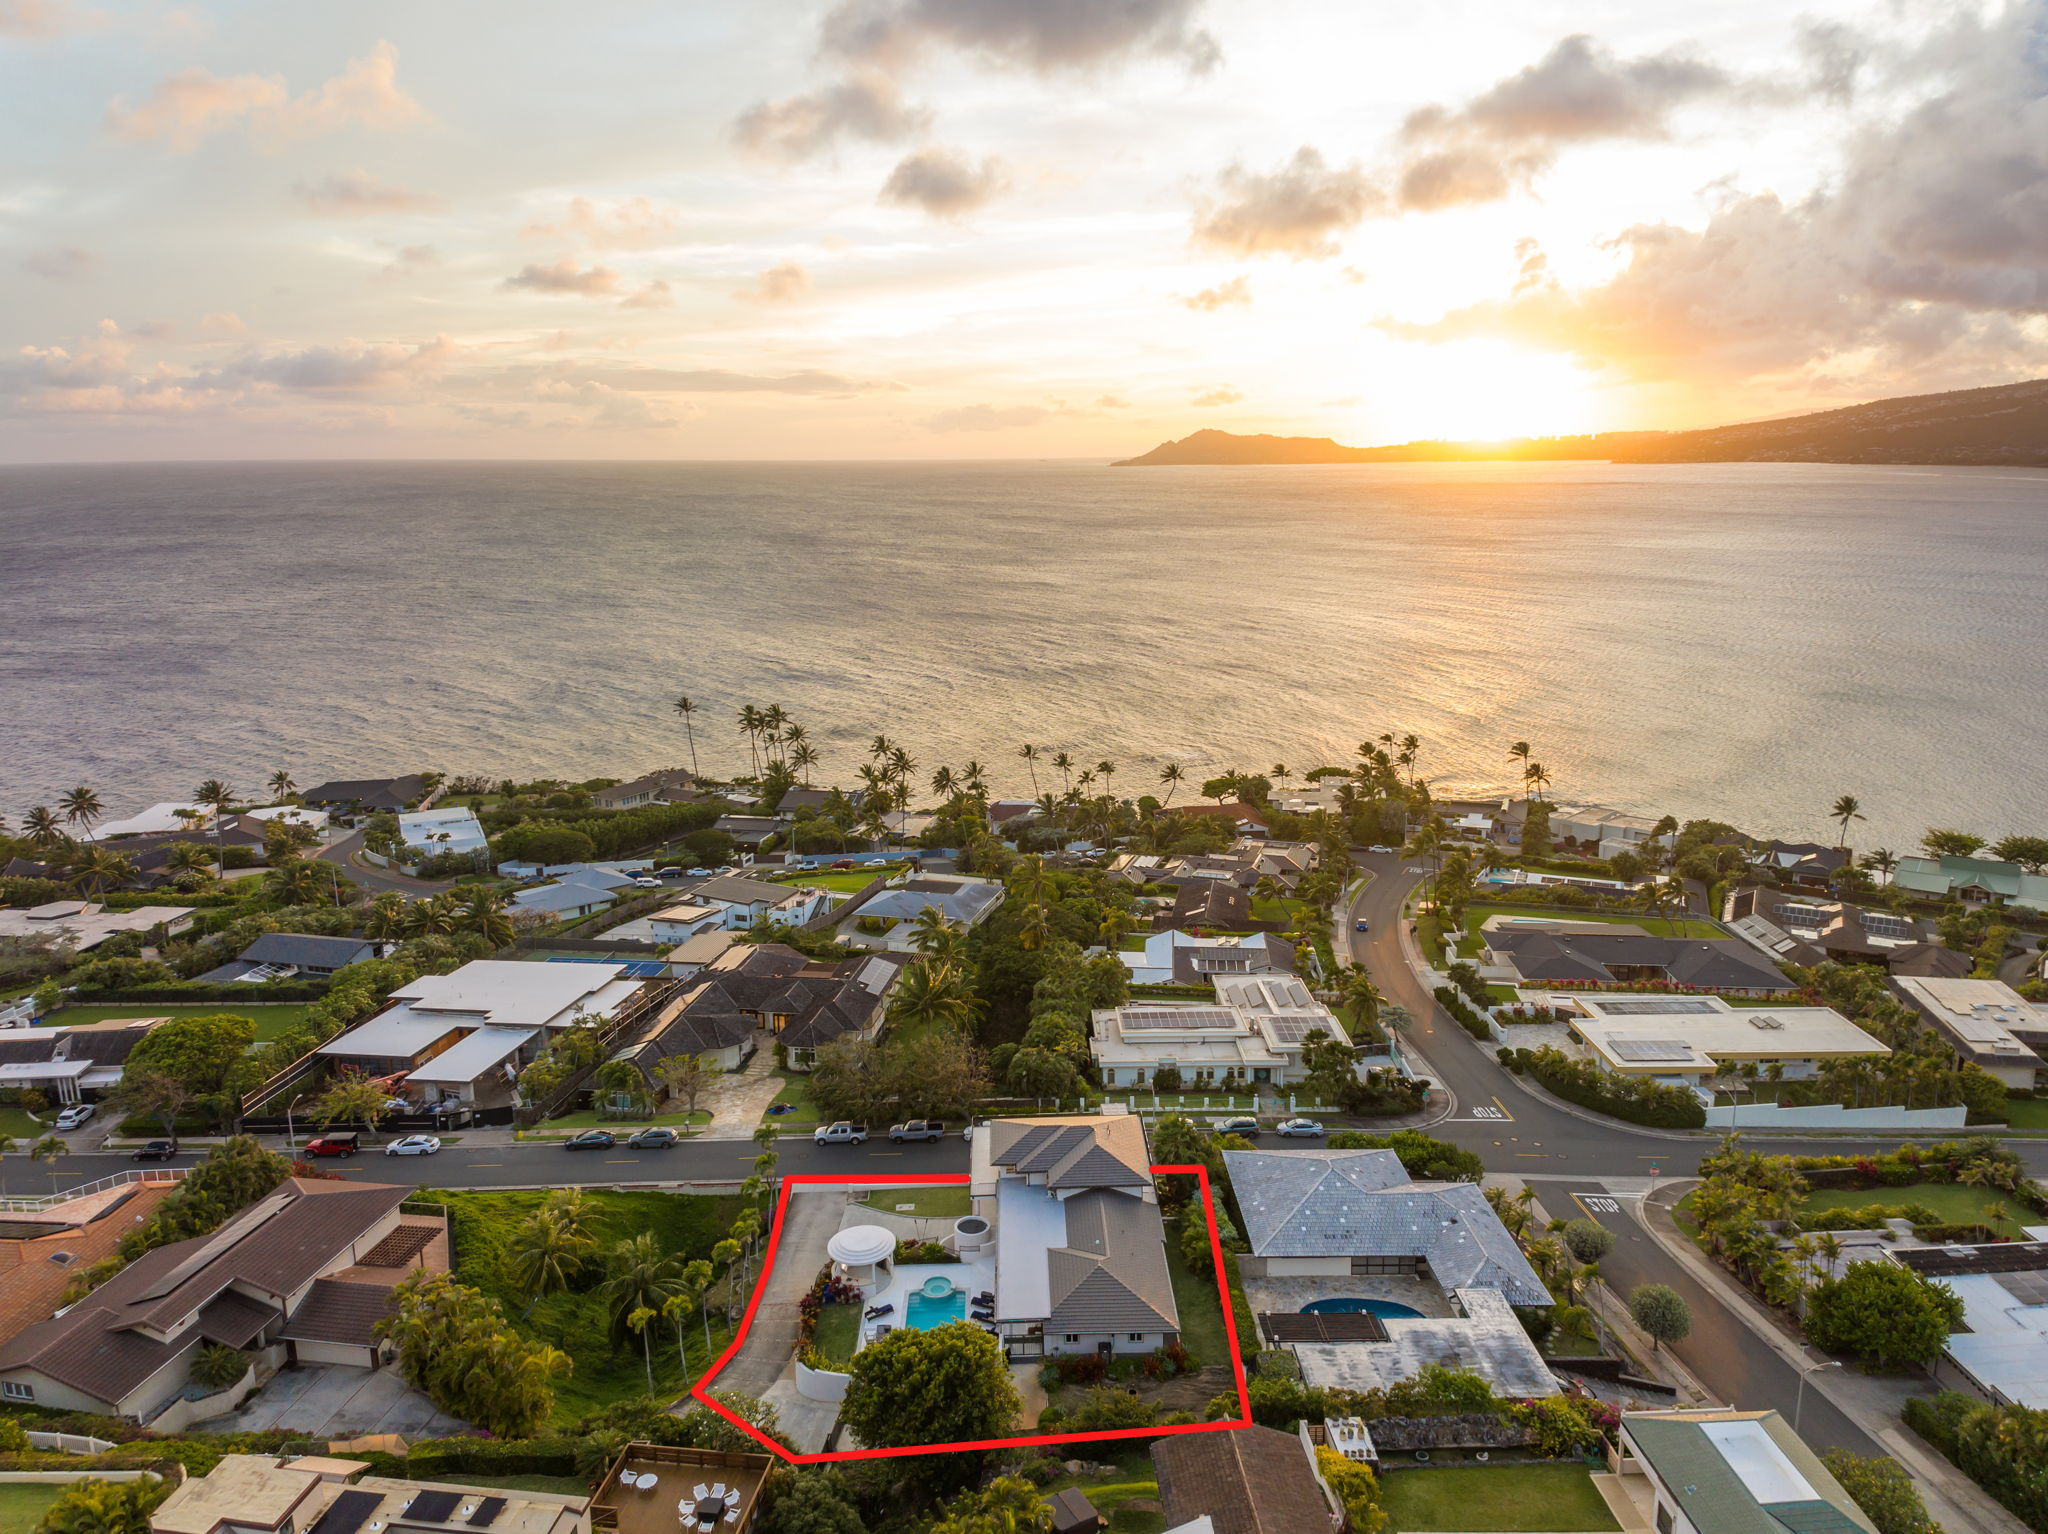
<point x="1743" y="641"/>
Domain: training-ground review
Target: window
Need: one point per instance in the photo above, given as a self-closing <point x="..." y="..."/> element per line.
<point x="16" y="1391"/>
<point x="1073" y="1336"/>
<point x="1663" y="1519"/>
<point x="1134" y="1336"/>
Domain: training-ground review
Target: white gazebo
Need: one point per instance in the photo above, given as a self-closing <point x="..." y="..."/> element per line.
<point x="861" y="1249"/>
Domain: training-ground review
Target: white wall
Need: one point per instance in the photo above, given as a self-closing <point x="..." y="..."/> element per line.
<point x="1832" y="1116"/>
<point x="1308" y="1267"/>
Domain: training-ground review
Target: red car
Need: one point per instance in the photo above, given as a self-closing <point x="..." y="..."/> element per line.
<point x="334" y="1145"/>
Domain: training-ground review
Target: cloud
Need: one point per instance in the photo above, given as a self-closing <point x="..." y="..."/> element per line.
<point x="411" y="259"/>
<point x="59" y="263"/>
<point x="1292" y="211"/>
<point x="608" y="409"/>
<point x="653" y="295"/>
<point x="187" y="108"/>
<point x="357" y="194"/>
<point x="1219" y="397"/>
<point x="40" y="21"/>
<point x="566" y="276"/>
<point x="778" y="285"/>
<point x="350" y="367"/>
<point x="1112" y="402"/>
<point x="808" y="381"/>
<point x="223" y="323"/>
<point x="943" y="184"/>
<point x="1508" y="134"/>
<point x="865" y="105"/>
<point x="1928" y="247"/>
<point x="986" y="418"/>
<point x="1236" y="291"/>
<point x="1045" y="36"/>
<point x="624" y="225"/>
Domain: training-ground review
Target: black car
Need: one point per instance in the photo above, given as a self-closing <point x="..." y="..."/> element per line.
<point x="654" y="1139"/>
<point x="593" y="1139"/>
<point x="156" y="1150"/>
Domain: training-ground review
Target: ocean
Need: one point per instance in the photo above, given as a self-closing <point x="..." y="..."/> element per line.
<point x="1743" y="641"/>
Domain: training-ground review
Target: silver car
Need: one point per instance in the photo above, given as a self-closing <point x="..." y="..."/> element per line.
<point x="1307" y="1129"/>
<point x="413" y="1145"/>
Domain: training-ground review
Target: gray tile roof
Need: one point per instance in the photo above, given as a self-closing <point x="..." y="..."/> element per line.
<point x="1719" y="963"/>
<point x="1074" y="1153"/>
<point x="308" y="951"/>
<point x="333" y="1311"/>
<point x="1111" y="1275"/>
<point x="1362" y="1203"/>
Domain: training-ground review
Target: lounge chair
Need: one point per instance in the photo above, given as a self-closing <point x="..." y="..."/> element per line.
<point x="876" y="1312"/>
<point x="986" y="1297"/>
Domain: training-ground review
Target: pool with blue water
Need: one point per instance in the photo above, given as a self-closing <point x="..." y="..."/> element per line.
<point x="925" y="1311"/>
<point x="1386" y="1310"/>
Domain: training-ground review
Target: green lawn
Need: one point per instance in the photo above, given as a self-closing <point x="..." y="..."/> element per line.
<point x="1133" y="942"/>
<point x="1195" y="1296"/>
<point x="564" y="1485"/>
<point x="1278" y="910"/>
<point x="2027" y="1112"/>
<point x="845" y="881"/>
<point x="1663" y="926"/>
<point x="22" y="1505"/>
<point x="1956" y="1203"/>
<point x="1504" y="1497"/>
<point x="942" y="1203"/>
<point x="19" y="1126"/>
<point x="577" y="1322"/>
<point x="838" y="1333"/>
<point x="271" y="1020"/>
<point x="795" y="1093"/>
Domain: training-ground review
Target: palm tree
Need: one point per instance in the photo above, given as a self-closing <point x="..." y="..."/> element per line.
<point x="684" y="709"/>
<point x="1029" y="753"/>
<point x="82" y="807"/>
<point x="643" y="1279"/>
<point x="546" y="1256"/>
<point x="1882" y="860"/>
<point x="1065" y="765"/>
<point x="101" y="869"/>
<point x="934" y="993"/>
<point x="750" y="726"/>
<point x="1535" y="780"/>
<point x="215" y="794"/>
<point x="46" y="1151"/>
<point x="1105" y="770"/>
<point x="1171" y="775"/>
<point x="386" y="918"/>
<point x="1845" y="810"/>
<point x="41" y="826"/>
<point x="932" y="933"/>
<point x="773" y="718"/>
<point x="943" y="784"/>
<point x="805" y="756"/>
<point x="1521" y="749"/>
<point x="483" y="912"/>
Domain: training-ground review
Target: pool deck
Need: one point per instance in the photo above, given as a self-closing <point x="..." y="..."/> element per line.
<point x="974" y="1277"/>
<point x="1287" y="1295"/>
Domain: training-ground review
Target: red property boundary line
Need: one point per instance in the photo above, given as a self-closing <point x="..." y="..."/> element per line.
<point x="702" y="1389"/>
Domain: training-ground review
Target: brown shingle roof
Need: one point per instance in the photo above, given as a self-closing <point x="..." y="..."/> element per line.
<point x="1250" y="1480"/>
<point x="338" y="1312"/>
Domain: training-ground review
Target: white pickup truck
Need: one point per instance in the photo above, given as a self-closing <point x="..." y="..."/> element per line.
<point x="841" y="1133"/>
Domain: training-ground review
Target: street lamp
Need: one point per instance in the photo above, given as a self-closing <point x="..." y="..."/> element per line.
<point x="1799" y="1403"/>
<point x="291" y="1138"/>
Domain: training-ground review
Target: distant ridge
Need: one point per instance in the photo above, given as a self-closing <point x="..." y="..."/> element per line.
<point x="2005" y="424"/>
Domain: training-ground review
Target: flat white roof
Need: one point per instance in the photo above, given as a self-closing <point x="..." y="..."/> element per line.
<point x="473" y="1056"/>
<point x="1765" y="1470"/>
<point x="686" y="913"/>
<point x="155" y="820"/>
<point x="1769" y="1033"/>
<point x="400" y="1031"/>
<point x="510" y="993"/>
<point x="1029" y="1223"/>
<point x="1980" y="1012"/>
<point x="297" y="814"/>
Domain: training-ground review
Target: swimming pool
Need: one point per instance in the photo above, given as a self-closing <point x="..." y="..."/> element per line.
<point x="1386" y="1310"/>
<point x="923" y="1312"/>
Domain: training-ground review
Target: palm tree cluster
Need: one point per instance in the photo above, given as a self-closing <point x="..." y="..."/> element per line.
<point x="454" y="1343"/>
<point x="1534" y="778"/>
<point x="774" y="741"/>
<point x="478" y="909"/>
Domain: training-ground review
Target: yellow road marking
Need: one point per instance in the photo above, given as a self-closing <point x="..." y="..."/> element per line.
<point x="1503" y="1108"/>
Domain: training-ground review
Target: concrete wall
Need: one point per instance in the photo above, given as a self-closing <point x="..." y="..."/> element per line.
<point x="1056" y="1342"/>
<point x="1832" y="1116"/>
<point x="334" y="1353"/>
<point x="1295" y="1267"/>
<point x="821" y="1384"/>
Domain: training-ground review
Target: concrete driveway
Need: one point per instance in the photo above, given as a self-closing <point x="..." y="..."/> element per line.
<point x="335" y="1401"/>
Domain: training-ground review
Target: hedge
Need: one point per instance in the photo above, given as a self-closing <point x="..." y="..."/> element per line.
<point x="1470" y="1021"/>
<point x="439" y="1457"/>
<point x="202" y="995"/>
<point x="1637" y="1101"/>
<point x="1240" y="1309"/>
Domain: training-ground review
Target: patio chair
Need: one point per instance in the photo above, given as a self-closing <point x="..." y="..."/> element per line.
<point x="986" y="1297"/>
<point x="718" y="1490"/>
<point x="876" y="1312"/>
<point x="699" y="1492"/>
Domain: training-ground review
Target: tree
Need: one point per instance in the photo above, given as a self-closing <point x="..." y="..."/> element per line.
<point x="1007" y="1505"/>
<point x="546" y="1255"/>
<point x="1883" y="1489"/>
<point x="2030" y="852"/>
<point x="1356" y="1487"/>
<point x="156" y="1094"/>
<point x="1950" y="844"/>
<point x="685" y="709"/>
<point x="200" y="1052"/>
<point x="1662" y="1312"/>
<point x="216" y="795"/>
<point x="453" y="1344"/>
<point x="93" y="1506"/>
<point x="99" y="869"/>
<point x="1588" y="1240"/>
<point x="813" y="1504"/>
<point x="1844" y="810"/>
<point x="643" y="1280"/>
<point x="351" y="1098"/>
<point x="945" y="1385"/>
<point x="934" y="994"/>
<point x="218" y="1365"/>
<point x="1887" y="1314"/>
<point x="686" y="1077"/>
<point x="1882" y="860"/>
<point x="281" y="784"/>
<point x="41" y="826"/>
<point x="82" y="807"/>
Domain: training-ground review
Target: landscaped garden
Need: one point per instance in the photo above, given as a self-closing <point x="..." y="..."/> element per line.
<point x="838" y="1332"/>
<point x="1953" y="1204"/>
<point x="1476" y="917"/>
<point x="947" y="1202"/>
<point x="22" y="1505"/>
<point x="1198" y="1302"/>
<point x="1477" y="1499"/>
<point x="844" y="881"/>
<point x="272" y="1021"/>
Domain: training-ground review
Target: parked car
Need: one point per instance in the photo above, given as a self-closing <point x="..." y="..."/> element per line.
<point x="671" y="872"/>
<point x="335" y="1145"/>
<point x="843" y="865"/>
<point x="1362" y="925"/>
<point x="698" y="873"/>
<point x="413" y="1145"/>
<point x="1307" y="1129"/>
<point x="592" y="1139"/>
<point x="75" y="1115"/>
<point x="156" y="1150"/>
<point x="654" y="1139"/>
<point x="917" y="1129"/>
<point x="1378" y="848"/>
<point x="841" y="1133"/>
<point x="647" y="882"/>
<point x="1249" y="1128"/>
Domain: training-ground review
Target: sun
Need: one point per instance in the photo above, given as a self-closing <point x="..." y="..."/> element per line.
<point x="1482" y="391"/>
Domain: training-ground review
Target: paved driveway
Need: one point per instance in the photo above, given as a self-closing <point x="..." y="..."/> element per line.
<point x="335" y="1401"/>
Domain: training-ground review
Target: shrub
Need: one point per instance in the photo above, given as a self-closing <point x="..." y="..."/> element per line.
<point x="1469" y="1020"/>
<point x="1888" y="1314"/>
<point x="441" y="1458"/>
<point x="1637" y="1101"/>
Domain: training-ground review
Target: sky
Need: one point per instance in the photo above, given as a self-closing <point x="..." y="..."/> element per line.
<point x="998" y="228"/>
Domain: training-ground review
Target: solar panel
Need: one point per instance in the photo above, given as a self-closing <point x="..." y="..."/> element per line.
<point x="1323" y="1326"/>
<point x="1887" y="926"/>
<point x="2027" y="1288"/>
<point x="1177" y="1018"/>
<point x="1647" y="1051"/>
<point x="347" y="1512"/>
<point x="486" y="1512"/>
<point x="1950" y="1262"/>
<point x="433" y="1506"/>
<point x="1292" y="1030"/>
<point x="1651" y="1006"/>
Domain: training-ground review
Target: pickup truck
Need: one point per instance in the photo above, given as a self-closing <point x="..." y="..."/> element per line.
<point x="917" y="1129"/>
<point x="841" y="1133"/>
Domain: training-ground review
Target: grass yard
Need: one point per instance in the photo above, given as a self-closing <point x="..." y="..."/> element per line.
<point x="577" y="1322"/>
<point x="838" y="1333"/>
<point x="1133" y="942"/>
<point x="19" y="1126"/>
<point x="942" y="1203"/>
<point x="271" y="1021"/>
<point x="1505" y="1497"/>
<point x="2027" y="1112"/>
<point x="1661" y="926"/>
<point x="1284" y="909"/>
<point x="844" y="881"/>
<point x="1200" y="1305"/>
<point x="1955" y="1203"/>
<point x="795" y="1095"/>
<point x="22" y="1505"/>
<point x="561" y="1485"/>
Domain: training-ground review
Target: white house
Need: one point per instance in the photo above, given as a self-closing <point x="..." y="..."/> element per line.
<point x="569" y="897"/>
<point x="1687" y="1040"/>
<point x="1251" y="1036"/>
<point x="157" y="820"/>
<point x="1720" y="1471"/>
<point x="1987" y="1021"/>
<point x="742" y="902"/>
<point x="1596" y="827"/>
<point x="83" y="925"/>
<point x="679" y="923"/>
<point x="1174" y="957"/>
<point x="437" y="831"/>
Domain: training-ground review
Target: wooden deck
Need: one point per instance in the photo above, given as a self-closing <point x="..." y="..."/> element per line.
<point x="658" y="1510"/>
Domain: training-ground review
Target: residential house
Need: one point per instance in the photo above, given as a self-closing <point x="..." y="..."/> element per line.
<point x="743" y="902"/>
<point x="1791" y="928"/>
<point x="286" y="814"/>
<point x="82" y="925"/>
<point x="359" y="796"/>
<point x="1335" y="1223"/>
<point x="1008" y="815"/>
<point x="959" y="899"/>
<point x="1246" y="820"/>
<point x="1689" y="1040"/>
<point x="270" y="1494"/>
<point x="188" y="821"/>
<point x="695" y="954"/>
<point x="1986" y="1022"/>
<point x="1809" y="863"/>
<point x="74" y="1064"/>
<point x="428" y="833"/>
<point x="1174" y="957"/>
<point x="1251" y="1037"/>
<point x="750" y="830"/>
<point x="2001" y="1354"/>
<point x="462" y="1037"/>
<point x="765" y="992"/>
<point x="290" y="955"/>
<point x="686" y="919"/>
<point x="1080" y="1248"/>
<point x="1538" y="953"/>
<point x="1974" y="881"/>
<point x="1254" y="1480"/>
<point x="573" y="895"/>
<point x="1720" y="1471"/>
<point x="1591" y="828"/>
<point x="1284" y="862"/>
<point x="813" y="799"/>
<point x="671" y="785"/>
<point x="1209" y="903"/>
<point x="659" y="1489"/>
<point x="264" y="1283"/>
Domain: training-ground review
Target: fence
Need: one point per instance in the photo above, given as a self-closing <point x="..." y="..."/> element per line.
<point x="650" y="1000"/>
<point x="42" y="1202"/>
<point x="832" y="915"/>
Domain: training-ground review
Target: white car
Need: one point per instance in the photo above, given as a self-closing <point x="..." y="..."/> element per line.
<point x="1379" y="849"/>
<point x="75" y="1115"/>
<point x="413" y="1145"/>
<point x="647" y="882"/>
<point x="1307" y="1129"/>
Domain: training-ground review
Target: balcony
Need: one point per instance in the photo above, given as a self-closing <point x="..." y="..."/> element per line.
<point x="655" y="1489"/>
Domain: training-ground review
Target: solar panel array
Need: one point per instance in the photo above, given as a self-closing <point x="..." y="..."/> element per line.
<point x="2029" y="1288"/>
<point x="1323" y="1326"/>
<point x="1953" y="1262"/>
<point x="1292" y="1030"/>
<point x="1652" y="1006"/>
<point x="1649" y="1051"/>
<point x="347" y="1512"/>
<point x="1887" y="926"/>
<point x="433" y="1506"/>
<point x="1171" y="1019"/>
